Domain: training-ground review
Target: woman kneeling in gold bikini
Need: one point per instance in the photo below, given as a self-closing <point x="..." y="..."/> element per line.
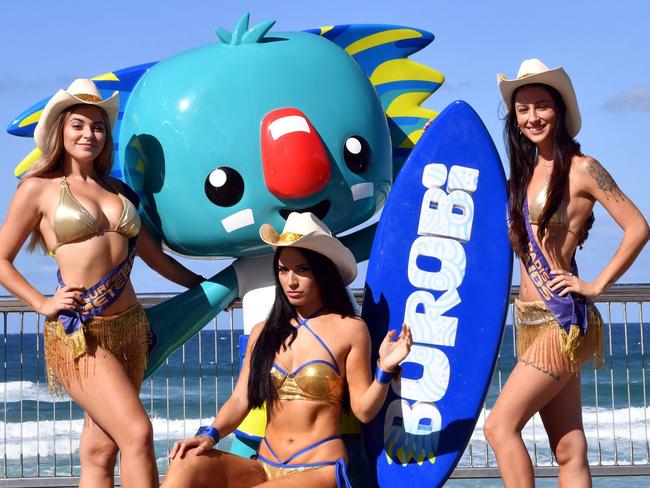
<point x="95" y="332"/>
<point x="308" y="357"/>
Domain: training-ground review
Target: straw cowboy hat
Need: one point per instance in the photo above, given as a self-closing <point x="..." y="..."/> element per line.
<point x="305" y="230"/>
<point x="81" y="91"/>
<point x="534" y="71"/>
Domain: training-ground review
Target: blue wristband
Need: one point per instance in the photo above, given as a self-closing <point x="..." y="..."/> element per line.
<point x="384" y="377"/>
<point x="210" y="431"/>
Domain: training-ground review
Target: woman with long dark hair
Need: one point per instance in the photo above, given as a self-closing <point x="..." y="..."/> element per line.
<point x="310" y="357"/>
<point x="553" y="188"/>
<point x="96" y="333"/>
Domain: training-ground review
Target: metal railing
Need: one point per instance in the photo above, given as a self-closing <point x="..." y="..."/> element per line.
<point x="39" y="434"/>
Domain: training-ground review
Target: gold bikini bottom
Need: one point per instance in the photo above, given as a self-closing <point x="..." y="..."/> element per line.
<point x="275" y="472"/>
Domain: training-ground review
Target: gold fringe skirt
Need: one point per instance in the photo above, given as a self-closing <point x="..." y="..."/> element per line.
<point x="125" y="336"/>
<point x="544" y="344"/>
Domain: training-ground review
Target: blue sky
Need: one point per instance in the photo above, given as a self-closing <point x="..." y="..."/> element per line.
<point x="604" y="47"/>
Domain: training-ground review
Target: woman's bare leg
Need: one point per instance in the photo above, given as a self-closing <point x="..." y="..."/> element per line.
<point x="97" y="453"/>
<point x="211" y="469"/>
<point x="527" y="391"/>
<point x="110" y="398"/>
<point x="562" y="418"/>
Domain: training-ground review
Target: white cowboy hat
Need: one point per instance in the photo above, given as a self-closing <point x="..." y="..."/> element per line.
<point x="80" y="91"/>
<point x="306" y="231"/>
<point x="534" y="71"/>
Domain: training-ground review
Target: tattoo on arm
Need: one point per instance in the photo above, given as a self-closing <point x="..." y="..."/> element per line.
<point x="605" y="181"/>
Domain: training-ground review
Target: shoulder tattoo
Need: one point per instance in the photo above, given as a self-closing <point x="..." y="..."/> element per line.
<point x="604" y="180"/>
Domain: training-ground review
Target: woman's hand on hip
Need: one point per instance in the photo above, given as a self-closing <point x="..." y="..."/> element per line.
<point x="392" y="351"/>
<point x="566" y="282"/>
<point x="66" y="298"/>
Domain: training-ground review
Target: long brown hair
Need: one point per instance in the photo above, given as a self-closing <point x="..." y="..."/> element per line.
<point x="523" y="155"/>
<point x="53" y="158"/>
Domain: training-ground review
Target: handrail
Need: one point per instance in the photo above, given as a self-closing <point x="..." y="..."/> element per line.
<point x="625" y="292"/>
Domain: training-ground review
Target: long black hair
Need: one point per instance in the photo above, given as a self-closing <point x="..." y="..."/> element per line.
<point x="522" y="153"/>
<point x="278" y="328"/>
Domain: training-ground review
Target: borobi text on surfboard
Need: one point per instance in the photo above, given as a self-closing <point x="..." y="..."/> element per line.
<point x="445" y="223"/>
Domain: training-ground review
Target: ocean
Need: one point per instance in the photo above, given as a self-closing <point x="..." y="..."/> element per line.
<point x="39" y="434"/>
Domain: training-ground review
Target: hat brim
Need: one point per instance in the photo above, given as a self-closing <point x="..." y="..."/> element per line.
<point x="326" y="245"/>
<point x="61" y="101"/>
<point x="558" y="79"/>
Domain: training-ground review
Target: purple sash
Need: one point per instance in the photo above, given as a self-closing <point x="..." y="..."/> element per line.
<point x="99" y="296"/>
<point x="568" y="310"/>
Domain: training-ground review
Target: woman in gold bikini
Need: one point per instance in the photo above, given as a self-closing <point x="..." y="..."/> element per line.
<point x="96" y="334"/>
<point x="553" y="189"/>
<point x="308" y="359"/>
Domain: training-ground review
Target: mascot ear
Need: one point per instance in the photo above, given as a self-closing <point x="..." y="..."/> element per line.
<point x="402" y="85"/>
<point x="144" y="172"/>
<point x="123" y="81"/>
<point x="144" y="164"/>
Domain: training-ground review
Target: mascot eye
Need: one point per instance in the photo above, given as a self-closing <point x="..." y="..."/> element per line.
<point x="224" y="186"/>
<point x="357" y="154"/>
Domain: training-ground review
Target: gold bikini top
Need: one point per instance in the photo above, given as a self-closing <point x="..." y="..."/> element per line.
<point x="72" y="222"/>
<point x="317" y="380"/>
<point x="559" y="218"/>
<point x="537" y="206"/>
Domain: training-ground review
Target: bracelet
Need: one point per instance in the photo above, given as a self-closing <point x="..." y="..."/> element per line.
<point x="384" y="377"/>
<point x="209" y="431"/>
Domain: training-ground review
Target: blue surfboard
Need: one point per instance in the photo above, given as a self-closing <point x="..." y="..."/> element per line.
<point x="441" y="262"/>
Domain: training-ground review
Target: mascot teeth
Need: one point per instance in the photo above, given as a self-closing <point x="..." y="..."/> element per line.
<point x="238" y="220"/>
<point x="362" y="190"/>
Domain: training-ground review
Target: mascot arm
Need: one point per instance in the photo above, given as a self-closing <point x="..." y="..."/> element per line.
<point x="174" y="321"/>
